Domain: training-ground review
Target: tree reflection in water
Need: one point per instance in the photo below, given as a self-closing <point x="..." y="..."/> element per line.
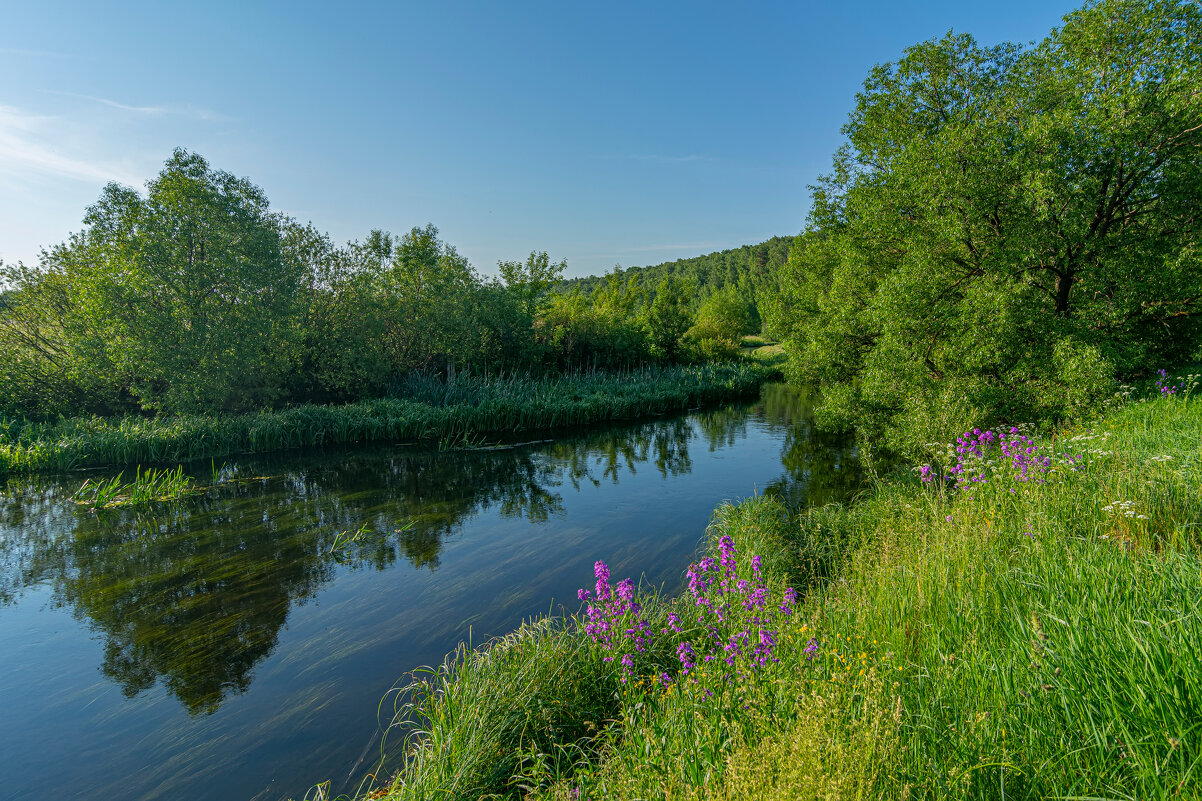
<point x="194" y="594"/>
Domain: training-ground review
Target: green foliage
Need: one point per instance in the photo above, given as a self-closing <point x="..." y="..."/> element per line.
<point x="723" y="319"/>
<point x="433" y="409"/>
<point x="41" y="371"/>
<point x="426" y="287"/>
<point x="577" y="334"/>
<point x="342" y="354"/>
<point x="1004" y="224"/>
<point x="184" y="293"/>
<point x="530" y="282"/>
<point x="668" y="318"/>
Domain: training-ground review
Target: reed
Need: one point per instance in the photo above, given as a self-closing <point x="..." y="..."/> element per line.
<point x="431" y="409"/>
<point x="148" y="486"/>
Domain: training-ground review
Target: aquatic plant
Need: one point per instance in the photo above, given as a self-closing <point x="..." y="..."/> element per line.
<point x="148" y="486"/>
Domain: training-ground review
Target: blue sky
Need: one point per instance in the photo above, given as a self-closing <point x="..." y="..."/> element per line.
<point x="604" y="133"/>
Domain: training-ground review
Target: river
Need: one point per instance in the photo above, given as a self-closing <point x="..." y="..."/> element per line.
<point x="242" y="643"/>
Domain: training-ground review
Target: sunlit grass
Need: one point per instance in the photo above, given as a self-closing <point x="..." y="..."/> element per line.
<point x="148" y="486"/>
<point x="1019" y="640"/>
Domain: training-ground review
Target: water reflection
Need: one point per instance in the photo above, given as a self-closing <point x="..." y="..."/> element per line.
<point x="272" y="635"/>
<point x="820" y="467"/>
<point x="194" y="594"/>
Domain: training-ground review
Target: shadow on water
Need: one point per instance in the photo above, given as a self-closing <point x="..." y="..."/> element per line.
<point x="193" y="595"/>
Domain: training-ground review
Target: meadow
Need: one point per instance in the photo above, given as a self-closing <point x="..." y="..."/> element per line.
<point x="1018" y="619"/>
<point x="428" y="409"/>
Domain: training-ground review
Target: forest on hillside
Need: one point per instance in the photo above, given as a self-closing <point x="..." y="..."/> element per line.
<point x="749" y="269"/>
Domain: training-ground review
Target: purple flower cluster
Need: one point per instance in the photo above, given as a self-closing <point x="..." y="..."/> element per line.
<point x="1166" y="386"/>
<point x="736" y="614"/>
<point x="614" y="619"/>
<point x="737" y="617"/>
<point x="975" y="450"/>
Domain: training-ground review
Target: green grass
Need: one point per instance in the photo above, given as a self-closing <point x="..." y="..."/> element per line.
<point x="148" y="486"/>
<point x="1022" y="640"/>
<point x="431" y="410"/>
<point x="773" y="356"/>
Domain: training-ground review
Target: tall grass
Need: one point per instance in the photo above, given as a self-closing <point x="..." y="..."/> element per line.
<point x="488" y="716"/>
<point x="431" y="409"/>
<point x="1017" y="639"/>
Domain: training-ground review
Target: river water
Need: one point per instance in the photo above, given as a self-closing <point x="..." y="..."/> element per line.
<point x="242" y="643"/>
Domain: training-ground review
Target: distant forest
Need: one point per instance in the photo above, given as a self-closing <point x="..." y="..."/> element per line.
<point x="748" y="269"/>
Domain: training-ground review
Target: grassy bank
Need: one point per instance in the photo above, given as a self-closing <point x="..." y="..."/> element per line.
<point x="431" y="409"/>
<point x="1036" y="633"/>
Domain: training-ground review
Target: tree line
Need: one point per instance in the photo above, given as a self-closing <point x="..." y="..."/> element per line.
<point x="748" y="272"/>
<point x="1008" y="230"/>
<point x="196" y="297"/>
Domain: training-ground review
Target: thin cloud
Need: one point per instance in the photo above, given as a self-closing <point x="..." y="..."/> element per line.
<point x="23" y="152"/>
<point x="702" y="246"/>
<point x="153" y="111"/>
<point x="16" y="51"/>
<point x="655" y="157"/>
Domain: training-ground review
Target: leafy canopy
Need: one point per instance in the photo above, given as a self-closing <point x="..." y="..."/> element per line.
<point x="181" y="295"/>
<point x="1007" y="230"/>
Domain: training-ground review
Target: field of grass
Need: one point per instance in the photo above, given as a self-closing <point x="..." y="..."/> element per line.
<point x="1032" y="631"/>
<point x="763" y="351"/>
<point x="430" y="409"/>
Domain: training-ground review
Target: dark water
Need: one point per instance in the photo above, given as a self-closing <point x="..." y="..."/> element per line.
<point x="233" y="646"/>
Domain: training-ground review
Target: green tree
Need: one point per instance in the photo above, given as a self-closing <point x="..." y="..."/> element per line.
<point x="1004" y="224"/>
<point x="342" y="355"/>
<point x="43" y="370"/>
<point x="721" y="322"/>
<point x="668" y="318"/>
<point x="426" y="286"/>
<point x="529" y="282"/>
<point x="183" y="293"/>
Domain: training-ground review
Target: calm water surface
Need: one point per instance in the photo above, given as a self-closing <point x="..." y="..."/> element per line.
<point x="235" y="646"/>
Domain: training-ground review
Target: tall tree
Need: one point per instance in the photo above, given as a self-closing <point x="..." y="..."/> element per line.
<point x="530" y="281"/>
<point x="668" y="318"/>
<point x="184" y="291"/>
<point x="426" y="286"/>
<point x="1006" y="230"/>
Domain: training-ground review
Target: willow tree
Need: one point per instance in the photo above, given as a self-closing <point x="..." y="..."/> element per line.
<point x="1007" y="230"/>
<point x="181" y="295"/>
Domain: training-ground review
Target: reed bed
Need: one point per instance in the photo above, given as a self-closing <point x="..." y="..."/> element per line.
<point x="429" y="409"/>
<point x="1035" y="632"/>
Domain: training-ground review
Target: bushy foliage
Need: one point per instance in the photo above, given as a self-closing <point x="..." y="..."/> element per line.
<point x="722" y="320"/>
<point x="1007" y="230"/>
<point x="576" y="333"/>
<point x="195" y="297"/>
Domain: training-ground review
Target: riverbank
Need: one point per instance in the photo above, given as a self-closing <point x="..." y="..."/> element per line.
<point x="1031" y="633"/>
<point x="432" y="410"/>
